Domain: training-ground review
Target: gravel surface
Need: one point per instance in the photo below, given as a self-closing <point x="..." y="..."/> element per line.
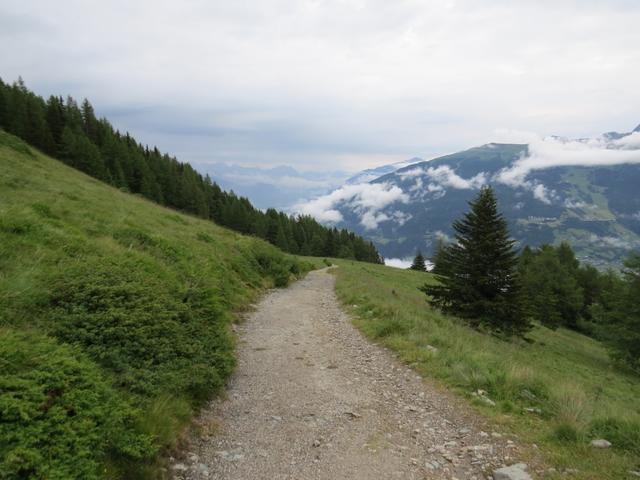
<point x="313" y="399"/>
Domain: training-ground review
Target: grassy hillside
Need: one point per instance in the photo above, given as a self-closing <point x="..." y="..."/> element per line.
<point x="114" y="319"/>
<point x="559" y="391"/>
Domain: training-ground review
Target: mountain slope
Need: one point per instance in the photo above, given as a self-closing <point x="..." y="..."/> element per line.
<point x="371" y="174"/>
<point x="114" y="319"/>
<point x="582" y="191"/>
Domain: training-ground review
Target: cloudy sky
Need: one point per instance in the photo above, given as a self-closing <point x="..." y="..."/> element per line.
<point x="332" y="84"/>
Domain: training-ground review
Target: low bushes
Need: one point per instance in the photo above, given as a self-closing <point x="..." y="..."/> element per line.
<point x="59" y="416"/>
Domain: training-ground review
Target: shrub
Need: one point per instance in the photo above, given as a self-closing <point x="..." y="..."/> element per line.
<point x="59" y="417"/>
<point x="155" y="333"/>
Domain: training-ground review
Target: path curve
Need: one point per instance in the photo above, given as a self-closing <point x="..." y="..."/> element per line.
<point x="311" y="398"/>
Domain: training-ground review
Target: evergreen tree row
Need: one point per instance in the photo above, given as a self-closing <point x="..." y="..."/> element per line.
<point x="72" y="133"/>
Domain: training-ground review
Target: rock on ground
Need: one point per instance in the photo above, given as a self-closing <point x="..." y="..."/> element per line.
<point x="600" y="443"/>
<point x="513" y="472"/>
<point x="313" y="399"/>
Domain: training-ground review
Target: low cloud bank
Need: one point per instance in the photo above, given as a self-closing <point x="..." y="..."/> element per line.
<point x="552" y="152"/>
<point x="398" y="262"/>
<point x="404" y="263"/>
<point x="445" y="176"/>
<point x="367" y="200"/>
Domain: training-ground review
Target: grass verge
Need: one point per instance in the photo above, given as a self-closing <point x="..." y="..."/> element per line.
<point x="558" y="391"/>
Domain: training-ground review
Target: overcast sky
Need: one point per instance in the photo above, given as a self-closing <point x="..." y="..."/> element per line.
<point x="332" y="84"/>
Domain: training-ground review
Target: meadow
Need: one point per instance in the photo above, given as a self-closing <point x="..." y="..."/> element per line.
<point x="556" y="389"/>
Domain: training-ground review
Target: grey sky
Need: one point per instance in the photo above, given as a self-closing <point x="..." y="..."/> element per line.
<point x="332" y="84"/>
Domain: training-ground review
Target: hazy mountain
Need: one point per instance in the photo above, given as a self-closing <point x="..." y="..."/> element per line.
<point x="371" y="174"/>
<point x="279" y="187"/>
<point x="283" y="186"/>
<point x="585" y="191"/>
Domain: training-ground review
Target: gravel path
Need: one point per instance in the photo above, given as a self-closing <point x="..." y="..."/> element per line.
<point x="313" y="399"/>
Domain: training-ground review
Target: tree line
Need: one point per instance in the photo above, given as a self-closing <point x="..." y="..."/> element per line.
<point x="72" y="133"/>
<point x="487" y="282"/>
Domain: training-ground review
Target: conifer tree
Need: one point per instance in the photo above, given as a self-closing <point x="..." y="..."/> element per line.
<point x="482" y="285"/>
<point x="418" y="263"/>
<point x="624" y="319"/>
<point x="4" y="107"/>
<point x="551" y="292"/>
<point x="440" y="258"/>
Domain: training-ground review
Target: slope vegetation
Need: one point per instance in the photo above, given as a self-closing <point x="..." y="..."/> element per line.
<point x="558" y="390"/>
<point x="114" y="319"/>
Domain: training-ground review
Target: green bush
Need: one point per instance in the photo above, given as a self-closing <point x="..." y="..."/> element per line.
<point x="59" y="417"/>
<point x="155" y="332"/>
<point x="278" y="266"/>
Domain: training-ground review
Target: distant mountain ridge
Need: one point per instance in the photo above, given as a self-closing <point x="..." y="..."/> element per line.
<point x="584" y="191"/>
<point x="276" y="187"/>
<point x="370" y="174"/>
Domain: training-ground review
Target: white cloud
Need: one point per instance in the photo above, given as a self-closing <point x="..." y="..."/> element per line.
<point x="401" y="217"/>
<point x="414" y="172"/>
<point x="418" y="186"/>
<point x="577" y="204"/>
<point x="365" y="199"/>
<point x="403" y="263"/>
<point x="440" y="235"/>
<point x="542" y="193"/>
<point x="447" y="177"/>
<point x="552" y="152"/>
<point x="630" y="142"/>
<point x="444" y="176"/>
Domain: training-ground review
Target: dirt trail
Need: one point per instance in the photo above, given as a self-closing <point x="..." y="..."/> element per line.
<point x="312" y="399"/>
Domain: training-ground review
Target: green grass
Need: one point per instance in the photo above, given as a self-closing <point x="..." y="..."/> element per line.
<point x="576" y="392"/>
<point x="114" y="319"/>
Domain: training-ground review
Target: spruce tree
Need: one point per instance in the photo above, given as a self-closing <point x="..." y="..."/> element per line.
<point x="482" y="285"/>
<point x="418" y="263"/>
<point x="623" y="320"/>
<point x="440" y="258"/>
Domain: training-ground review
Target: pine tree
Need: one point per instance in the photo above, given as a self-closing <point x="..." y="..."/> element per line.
<point x="624" y="319"/>
<point x="440" y="258"/>
<point x="4" y="107"/>
<point x="483" y="285"/>
<point x="418" y="263"/>
<point x="552" y="295"/>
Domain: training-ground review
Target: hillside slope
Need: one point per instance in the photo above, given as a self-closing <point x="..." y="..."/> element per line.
<point x="559" y="390"/>
<point x="114" y="319"/>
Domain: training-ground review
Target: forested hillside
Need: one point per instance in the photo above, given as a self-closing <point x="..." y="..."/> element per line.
<point x="114" y="319"/>
<point x="72" y="133"/>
